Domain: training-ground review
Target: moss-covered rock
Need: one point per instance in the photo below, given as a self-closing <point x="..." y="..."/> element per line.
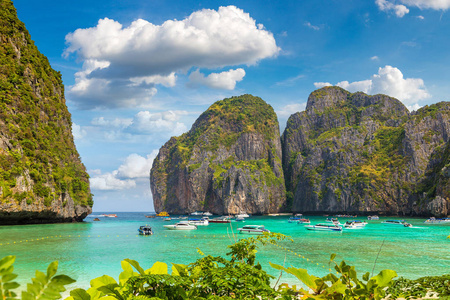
<point x="230" y="161"/>
<point x="42" y="178"/>
<point x="359" y="153"/>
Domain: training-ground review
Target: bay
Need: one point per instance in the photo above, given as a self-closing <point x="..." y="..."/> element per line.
<point x="93" y="248"/>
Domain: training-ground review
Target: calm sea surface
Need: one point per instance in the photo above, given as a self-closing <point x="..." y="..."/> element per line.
<point x="91" y="249"/>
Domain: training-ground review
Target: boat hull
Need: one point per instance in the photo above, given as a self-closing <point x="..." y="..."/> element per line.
<point x="255" y="232"/>
<point x="321" y="228"/>
<point x="175" y="227"/>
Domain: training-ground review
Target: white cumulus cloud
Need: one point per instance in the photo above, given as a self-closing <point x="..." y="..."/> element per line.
<point x="109" y="181"/>
<point x="133" y="167"/>
<point x="402" y="9"/>
<point x="121" y="61"/>
<point x="389" y="81"/>
<point x="428" y="4"/>
<point x="136" y="166"/>
<point x="224" y="80"/>
<point x="167" y="123"/>
<point x="399" y="9"/>
<point x="289" y="109"/>
<point x="78" y="132"/>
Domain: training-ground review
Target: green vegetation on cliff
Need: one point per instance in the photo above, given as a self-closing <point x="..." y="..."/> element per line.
<point x="355" y="152"/>
<point x="232" y="146"/>
<point x="36" y="143"/>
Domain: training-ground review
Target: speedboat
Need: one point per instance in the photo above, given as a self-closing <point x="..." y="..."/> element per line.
<point x="355" y="224"/>
<point x="373" y="218"/>
<point x="208" y="214"/>
<point x="239" y="219"/>
<point x="163" y="214"/>
<point x="242" y="215"/>
<point x="433" y="220"/>
<point x="393" y="222"/>
<point x="167" y="219"/>
<point x="324" y="227"/>
<point x="253" y="229"/>
<point x="110" y="215"/>
<point x="197" y="213"/>
<point x="145" y="230"/>
<point x="201" y="222"/>
<point x="223" y="219"/>
<point x="359" y="223"/>
<point x="304" y="221"/>
<point x="396" y="222"/>
<point x="183" y="225"/>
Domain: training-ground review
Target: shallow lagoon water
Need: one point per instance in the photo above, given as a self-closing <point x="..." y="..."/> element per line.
<point x="90" y="249"/>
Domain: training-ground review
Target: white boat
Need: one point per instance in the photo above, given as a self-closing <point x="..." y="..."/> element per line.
<point x="145" y="230"/>
<point x="355" y="224"/>
<point x="208" y="214"/>
<point x="199" y="222"/>
<point x="433" y="220"/>
<point x="183" y="225"/>
<point x="242" y="215"/>
<point x="396" y="222"/>
<point x="253" y="229"/>
<point x="197" y="213"/>
<point x="373" y="218"/>
<point x="239" y="219"/>
<point x="324" y="227"/>
<point x="304" y="221"/>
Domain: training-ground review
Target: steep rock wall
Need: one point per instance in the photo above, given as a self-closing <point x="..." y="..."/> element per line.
<point x="359" y="153"/>
<point x="229" y="162"/>
<point x="42" y="179"/>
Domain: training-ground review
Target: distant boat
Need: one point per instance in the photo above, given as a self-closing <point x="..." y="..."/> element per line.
<point x="110" y="215"/>
<point x="223" y="219"/>
<point x="355" y="224"/>
<point x="208" y="214"/>
<point x="253" y="229"/>
<point x="303" y="221"/>
<point x="324" y="227"/>
<point x="201" y="222"/>
<point x="433" y="220"/>
<point x="373" y="218"/>
<point x="183" y="225"/>
<point x="396" y="222"/>
<point x="197" y="213"/>
<point x="242" y="215"/>
<point x="145" y="230"/>
<point x="294" y="219"/>
<point x="163" y="214"/>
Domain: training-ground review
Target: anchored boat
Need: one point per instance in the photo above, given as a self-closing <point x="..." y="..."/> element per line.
<point x="253" y="229"/>
<point x="324" y="227"/>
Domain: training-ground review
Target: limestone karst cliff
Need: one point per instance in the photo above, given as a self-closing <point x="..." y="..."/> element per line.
<point x="42" y="179"/>
<point x="229" y="162"/>
<point x="359" y="153"/>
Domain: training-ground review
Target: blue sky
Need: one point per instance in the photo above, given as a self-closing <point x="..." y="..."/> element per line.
<point x="138" y="72"/>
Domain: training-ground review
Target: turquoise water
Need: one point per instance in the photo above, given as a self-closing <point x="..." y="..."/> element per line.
<point x="90" y="249"/>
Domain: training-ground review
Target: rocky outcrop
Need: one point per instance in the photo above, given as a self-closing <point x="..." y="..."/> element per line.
<point x="42" y="179"/>
<point x="229" y="162"/>
<point x="365" y="154"/>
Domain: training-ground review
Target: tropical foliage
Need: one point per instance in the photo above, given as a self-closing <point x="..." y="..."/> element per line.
<point x="237" y="277"/>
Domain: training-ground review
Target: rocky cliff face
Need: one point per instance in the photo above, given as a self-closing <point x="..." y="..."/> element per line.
<point x="358" y="153"/>
<point x="229" y="162"/>
<point x="42" y="179"/>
